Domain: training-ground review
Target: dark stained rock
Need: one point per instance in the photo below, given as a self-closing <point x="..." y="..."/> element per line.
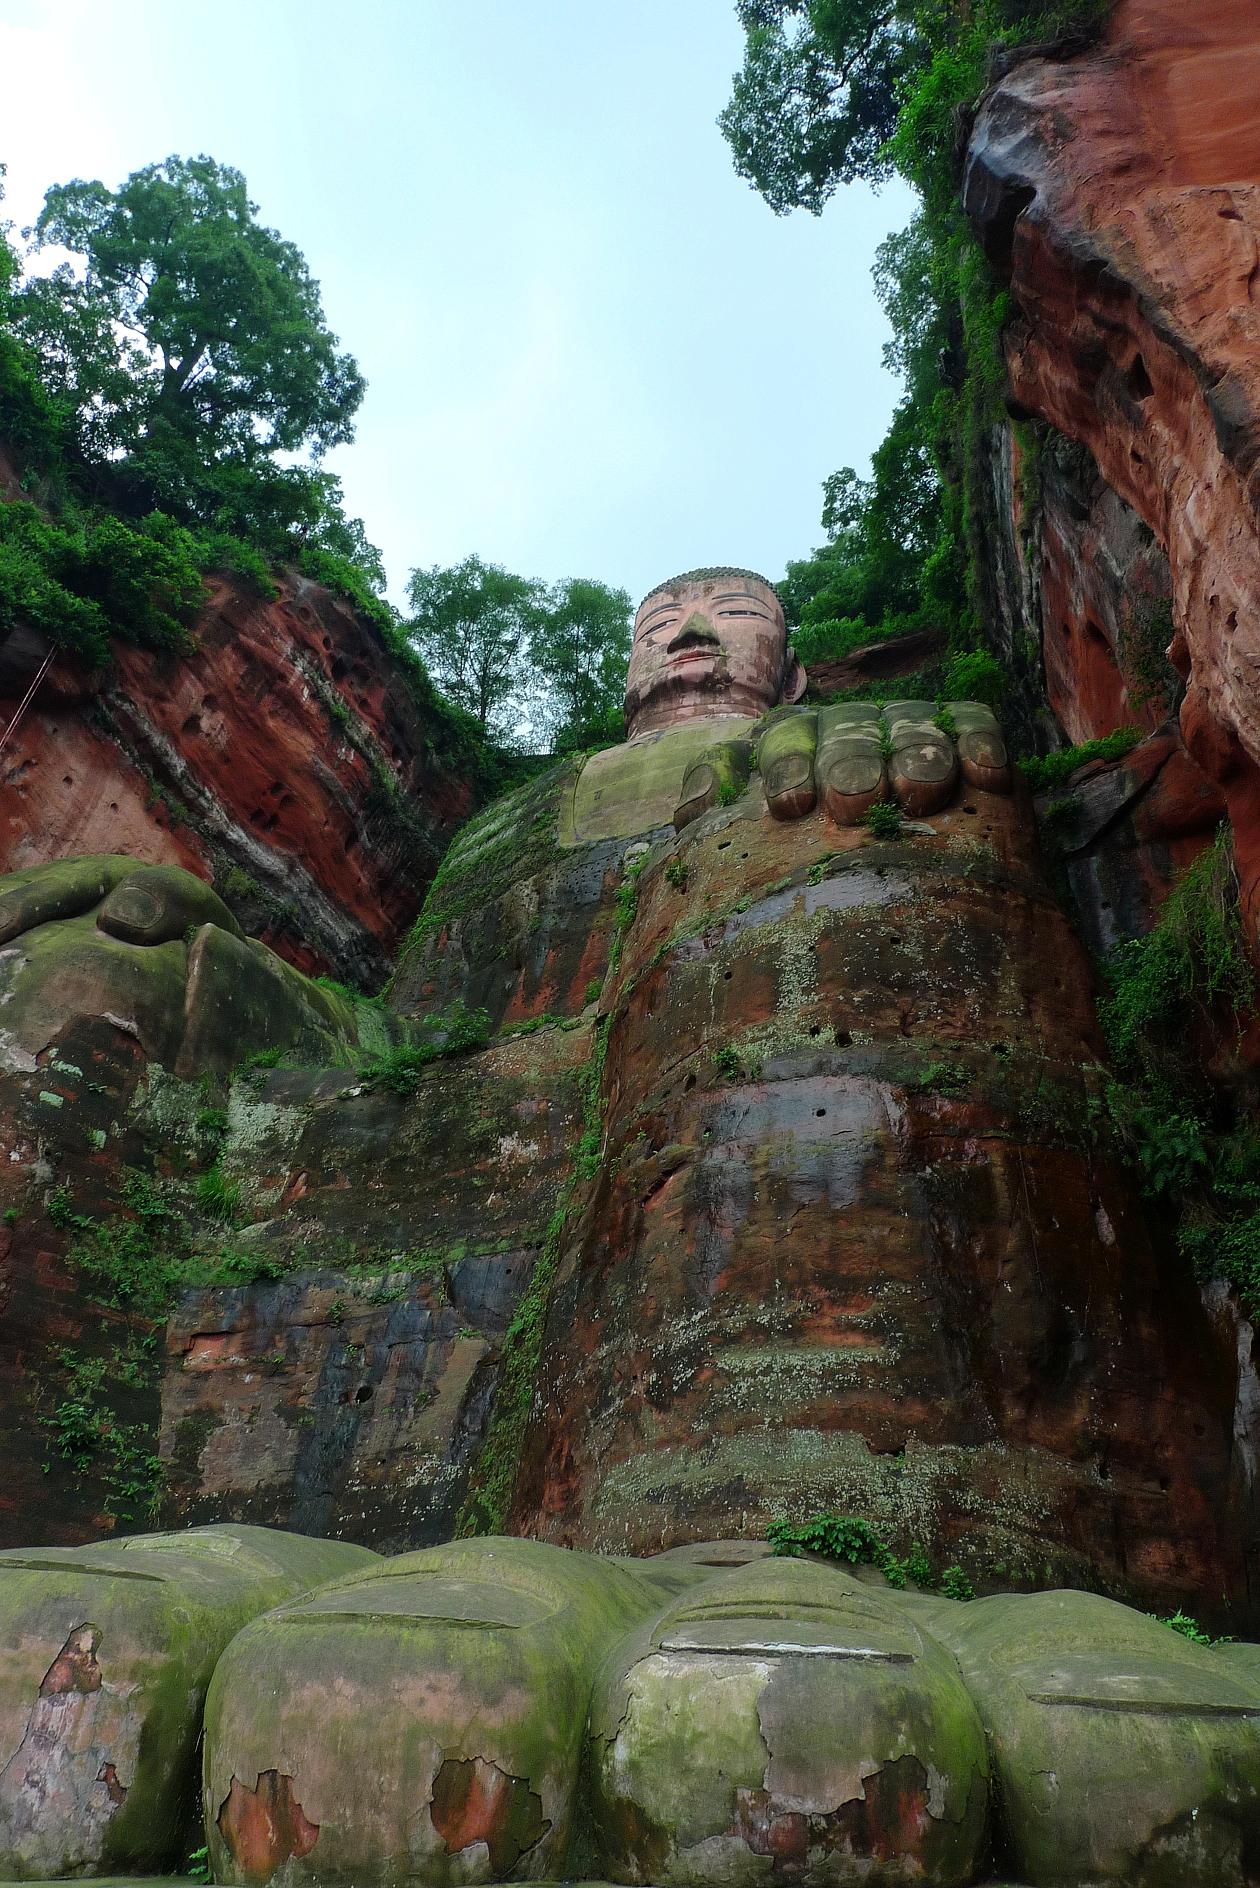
<point x="348" y="1394"/>
<point x="856" y="1244"/>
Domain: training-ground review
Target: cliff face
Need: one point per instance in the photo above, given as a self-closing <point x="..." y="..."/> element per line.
<point x="1119" y="191"/>
<point x="285" y="758"/>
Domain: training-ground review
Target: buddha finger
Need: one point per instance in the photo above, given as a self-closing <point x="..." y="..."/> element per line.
<point x="786" y="758"/>
<point x="849" y="769"/>
<point x="717" y="777"/>
<point x="923" y="769"/>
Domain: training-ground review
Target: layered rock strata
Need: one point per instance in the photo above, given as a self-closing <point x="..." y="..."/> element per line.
<point x="1119" y="192"/>
<point x="285" y="757"/>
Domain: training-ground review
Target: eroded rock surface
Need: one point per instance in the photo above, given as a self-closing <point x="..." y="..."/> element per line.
<point x="854" y="1231"/>
<point x="285" y="756"/>
<point x="107" y="1655"/>
<point x="1120" y="191"/>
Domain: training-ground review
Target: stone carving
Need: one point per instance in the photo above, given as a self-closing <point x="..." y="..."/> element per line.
<point x="711" y="642"/>
<point x="734" y="1718"/>
<point x="107" y="1654"/>
<point x="840" y="1236"/>
<point x="155" y="950"/>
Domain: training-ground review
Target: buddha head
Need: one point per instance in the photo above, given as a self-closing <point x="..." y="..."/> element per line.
<point x="711" y="642"/>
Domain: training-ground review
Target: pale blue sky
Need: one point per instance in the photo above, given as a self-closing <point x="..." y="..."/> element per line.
<point x="591" y="350"/>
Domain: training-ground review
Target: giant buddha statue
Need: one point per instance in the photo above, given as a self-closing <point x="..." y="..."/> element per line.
<point x="854" y="1242"/>
<point x="838" y="1232"/>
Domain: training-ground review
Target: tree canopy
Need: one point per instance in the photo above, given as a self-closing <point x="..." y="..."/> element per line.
<point x="835" y="90"/>
<point x="190" y="320"/>
<point x="579" y="646"/>
<point x="528" y="662"/>
<point x="470" y="623"/>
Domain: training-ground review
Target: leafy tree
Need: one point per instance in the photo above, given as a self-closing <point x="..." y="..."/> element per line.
<point x="817" y="98"/>
<point x="833" y="90"/>
<point x="192" y="324"/>
<point x="471" y="623"/>
<point x="157" y="380"/>
<point x="579" y="645"/>
<point x="825" y="84"/>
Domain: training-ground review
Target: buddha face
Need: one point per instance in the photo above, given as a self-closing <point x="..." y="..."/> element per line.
<point x="711" y="643"/>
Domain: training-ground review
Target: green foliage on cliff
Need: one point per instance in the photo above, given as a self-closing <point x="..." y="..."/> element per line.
<point x="848" y="1538"/>
<point x="833" y="90"/>
<point x="146" y="389"/>
<point x="400" y="1067"/>
<point x="1051" y="770"/>
<point x="1193" y="1143"/>
<point x="1193" y="960"/>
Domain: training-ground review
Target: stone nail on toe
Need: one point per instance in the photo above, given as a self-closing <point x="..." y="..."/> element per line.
<point x="850" y="764"/>
<point x="787" y="765"/>
<point x="924" y="766"/>
<point x="981" y="749"/>
<point x="716" y="777"/>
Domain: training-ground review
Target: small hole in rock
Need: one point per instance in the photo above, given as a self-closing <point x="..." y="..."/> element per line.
<point x="364" y="1393"/>
<point x="969" y="809"/>
<point x="819" y="1113"/>
<point x="843" y="1039"/>
<point x="726" y="976"/>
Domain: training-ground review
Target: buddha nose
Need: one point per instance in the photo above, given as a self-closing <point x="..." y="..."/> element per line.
<point x="695" y="633"/>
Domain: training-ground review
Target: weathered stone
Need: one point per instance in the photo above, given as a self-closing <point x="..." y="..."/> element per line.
<point x="1122" y="1753"/>
<point x="923" y="769"/>
<point x="348" y="1395"/>
<point x="286" y="751"/>
<point x="156" y="903"/>
<point x="1128" y="228"/>
<point x="786" y="759"/>
<point x="154" y="951"/>
<point x="850" y="762"/>
<point x="457" y="1680"/>
<point x="519" y="919"/>
<point x="981" y="748"/>
<point x="717" y="778"/>
<point x="41" y="894"/>
<point x="107" y="1654"/>
<point x="633" y="789"/>
<point x="784" y="1719"/>
<point x="241" y="999"/>
<point x="58" y="972"/>
<point x="889" y="1049"/>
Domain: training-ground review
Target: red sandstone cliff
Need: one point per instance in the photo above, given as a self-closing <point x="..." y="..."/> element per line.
<point x="286" y="758"/>
<point x="1120" y="192"/>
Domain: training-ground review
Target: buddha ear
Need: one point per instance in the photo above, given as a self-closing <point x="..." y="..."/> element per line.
<point x="795" y="680"/>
